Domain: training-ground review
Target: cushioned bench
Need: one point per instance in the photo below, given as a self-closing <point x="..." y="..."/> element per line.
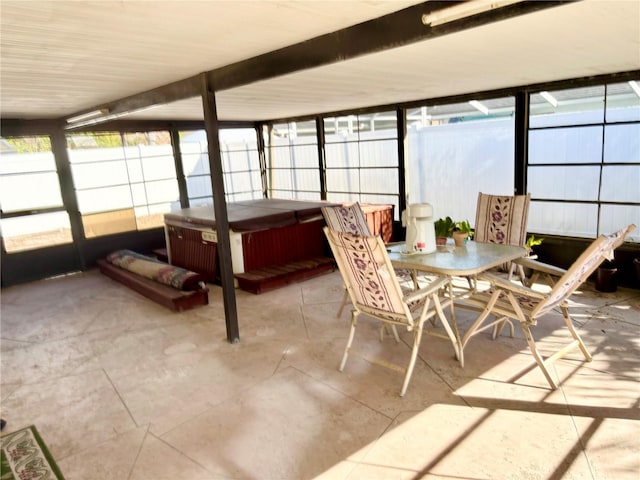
<point x="166" y="295"/>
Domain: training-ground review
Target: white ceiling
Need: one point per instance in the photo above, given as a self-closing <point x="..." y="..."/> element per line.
<point x="61" y="57"/>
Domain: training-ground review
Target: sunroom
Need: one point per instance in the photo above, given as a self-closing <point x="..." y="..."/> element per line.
<point x="110" y="109"/>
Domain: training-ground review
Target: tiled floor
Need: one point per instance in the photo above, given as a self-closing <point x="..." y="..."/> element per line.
<point x="121" y="388"/>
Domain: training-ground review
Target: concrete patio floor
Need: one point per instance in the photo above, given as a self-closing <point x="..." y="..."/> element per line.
<point x="122" y="388"/>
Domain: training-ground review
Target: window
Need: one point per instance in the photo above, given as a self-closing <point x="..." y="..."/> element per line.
<point x="33" y="215"/>
<point x="292" y="158"/>
<point x="457" y="150"/>
<point x="361" y="154"/>
<point x="240" y="165"/>
<point x="123" y="182"/>
<point x="584" y="160"/>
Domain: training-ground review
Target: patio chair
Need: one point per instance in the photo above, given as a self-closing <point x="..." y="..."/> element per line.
<point x="375" y="291"/>
<point x="351" y="219"/>
<point x="507" y="300"/>
<point x="503" y="219"/>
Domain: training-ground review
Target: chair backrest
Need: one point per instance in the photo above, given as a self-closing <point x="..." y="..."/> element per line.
<point x="601" y="249"/>
<point x="348" y="218"/>
<point x="368" y="275"/>
<point x="502" y="219"/>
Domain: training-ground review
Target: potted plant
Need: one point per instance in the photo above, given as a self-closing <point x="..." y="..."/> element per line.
<point x="462" y="232"/>
<point x="444" y="229"/>
<point x="531" y="242"/>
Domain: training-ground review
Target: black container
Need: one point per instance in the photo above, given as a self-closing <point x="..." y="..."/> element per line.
<point x="606" y="278"/>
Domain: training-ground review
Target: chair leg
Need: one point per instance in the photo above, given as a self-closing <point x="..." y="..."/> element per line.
<point x="345" y="299"/>
<point x="497" y="328"/>
<point x="474" y="327"/>
<point x="352" y="331"/>
<point x="394" y="331"/>
<point x="417" y="336"/>
<point x="536" y="355"/>
<point x="574" y="334"/>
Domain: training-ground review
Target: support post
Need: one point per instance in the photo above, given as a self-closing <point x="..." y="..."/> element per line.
<point x="220" y="209"/>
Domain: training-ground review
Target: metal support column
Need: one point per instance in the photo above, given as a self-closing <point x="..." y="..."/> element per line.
<point x="322" y="160"/>
<point x="67" y="190"/>
<point x="182" y="179"/>
<point x="521" y="144"/>
<point x="220" y="209"/>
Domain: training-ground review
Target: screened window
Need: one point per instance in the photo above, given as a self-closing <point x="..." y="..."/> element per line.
<point x="123" y="182"/>
<point x="361" y="153"/>
<point x="240" y="165"/>
<point x="457" y="150"/>
<point x="584" y="160"/>
<point x="33" y="215"/>
<point x="292" y="157"/>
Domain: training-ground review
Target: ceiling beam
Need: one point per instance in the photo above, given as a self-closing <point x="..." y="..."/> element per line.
<point x="389" y="31"/>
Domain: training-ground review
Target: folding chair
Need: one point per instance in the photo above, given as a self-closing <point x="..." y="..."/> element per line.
<point x="503" y="219"/>
<point x="375" y="291"/>
<point x="507" y="300"/>
<point x="351" y="219"/>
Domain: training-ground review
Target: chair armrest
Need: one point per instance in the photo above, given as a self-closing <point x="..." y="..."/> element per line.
<point x="433" y="287"/>
<point x="505" y="284"/>
<point x="540" y="266"/>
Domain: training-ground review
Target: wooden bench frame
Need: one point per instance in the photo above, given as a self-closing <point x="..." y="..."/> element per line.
<point x="176" y="300"/>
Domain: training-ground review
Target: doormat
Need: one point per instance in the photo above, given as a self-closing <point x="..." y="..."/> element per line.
<point x="25" y="456"/>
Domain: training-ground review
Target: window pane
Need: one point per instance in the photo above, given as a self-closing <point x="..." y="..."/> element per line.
<point x="103" y="199"/>
<point x="455" y="151"/>
<point x="576" y="106"/>
<point x="379" y="180"/>
<point x="28" y="175"/>
<point x="152" y="216"/>
<point x="100" y="174"/>
<point x="570" y="219"/>
<point x="162" y="191"/>
<point x="622" y="143"/>
<point x="240" y="164"/>
<point x="621" y="184"/>
<point x="29" y="191"/>
<point x="238" y="139"/>
<point x="242" y="182"/>
<point x="343" y="197"/>
<point x="304" y="156"/>
<point x="281" y="179"/>
<point x="382" y="153"/>
<point x="564" y="183"/>
<point x="280" y="157"/>
<point x="305" y="132"/>
<point x="623" y="102"/>
<point x="107" y="223"/>
<point x="378" y="125"/>
<point x="157" y="166"/>
<point x="286" y="194"/>
<point x="306" y="180"/>
<point x="201" y="202"/>
<point x="615" y="217"/>
<point x="241" y="161"/>
<point x="566" y="145"/>
<point x="342" y="155"/>
<point x="341" y="129"/>
<point x="199" y="186"/>
<point x="343" y="180"/>
<point x="36" y="231"/>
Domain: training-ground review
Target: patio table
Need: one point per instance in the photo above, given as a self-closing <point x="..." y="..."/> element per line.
<point x="451" y="261"/>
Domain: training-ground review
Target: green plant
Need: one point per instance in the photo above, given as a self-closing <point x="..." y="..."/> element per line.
<point x="444" y="227"/>
<point x="532" y="241"/>
<point x="464" y="226"/>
